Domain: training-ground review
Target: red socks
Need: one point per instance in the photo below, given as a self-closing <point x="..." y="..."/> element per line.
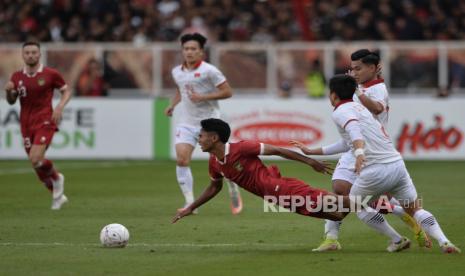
<point x="47" y="173"/>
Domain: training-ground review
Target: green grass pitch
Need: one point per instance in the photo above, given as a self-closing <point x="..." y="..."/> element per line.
<point x="144" y="196"/>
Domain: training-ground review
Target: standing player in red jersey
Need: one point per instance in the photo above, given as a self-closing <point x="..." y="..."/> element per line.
<point x="240" y="163"/>
<point x="34" y="85"/>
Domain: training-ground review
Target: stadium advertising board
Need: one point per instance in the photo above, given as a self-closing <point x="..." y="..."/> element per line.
<point x="420" y="128"/>
<point x="91" y="128"/>
<point x="277" y="121"/>
<point x="428" y="128"/>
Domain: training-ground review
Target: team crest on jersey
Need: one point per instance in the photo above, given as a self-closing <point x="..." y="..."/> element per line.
<point x="41" y="81"/>
<point x="238" y="166"/>
<point x="197" y="75"/>
<point x="43" y="139"/>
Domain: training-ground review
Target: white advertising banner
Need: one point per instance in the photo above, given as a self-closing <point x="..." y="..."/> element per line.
<point x="276" y="121"/>
<point x="91" y="128"/>
<point x="426" y="128"/>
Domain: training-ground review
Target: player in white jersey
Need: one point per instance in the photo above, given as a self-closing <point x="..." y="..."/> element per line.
<point x="379" y="166"/>
<point x="372" y="93"/>
<point x="199" y="87"/>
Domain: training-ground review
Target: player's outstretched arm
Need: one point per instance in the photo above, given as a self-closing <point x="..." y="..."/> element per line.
<point x="304" y="149"/>
<point x="374" y="106"/>
<point x="318" y="166"/>
<point x="11" y="93"/>
<point x="209" y="193"/>
<point x="335" y="148"/>
<point x="58" y="111"/>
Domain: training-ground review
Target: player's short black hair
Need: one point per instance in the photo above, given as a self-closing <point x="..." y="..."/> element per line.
<point x="365" y="56"/>
<point x="343" y="85"/>
<point x="218" y="126"/>
<point x="31" y="42"/>
<point x="196" y="37"/>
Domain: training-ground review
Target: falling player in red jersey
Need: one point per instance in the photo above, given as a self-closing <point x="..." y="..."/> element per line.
<point x="240" y="163"/>
<point x="34" y="85"/>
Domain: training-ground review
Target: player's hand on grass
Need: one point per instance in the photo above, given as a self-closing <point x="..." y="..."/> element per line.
<point x="169" y="111"/>
<point x="182" y="213"/>
<point x="321" y="166"/>
<point x="57" y="115"/>
<point x="301" y="146"/>
<point x="359" y="163"/>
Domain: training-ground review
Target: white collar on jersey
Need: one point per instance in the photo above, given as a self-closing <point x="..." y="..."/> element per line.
<point x="41" y="68"/>
<point x="226" y="152"/>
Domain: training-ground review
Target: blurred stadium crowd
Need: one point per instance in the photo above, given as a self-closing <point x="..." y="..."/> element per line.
<point x="231" y="20"/>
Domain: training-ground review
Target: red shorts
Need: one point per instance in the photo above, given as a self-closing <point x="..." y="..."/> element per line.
<point x="39" y="136"/>
<point x="284" y="187"/>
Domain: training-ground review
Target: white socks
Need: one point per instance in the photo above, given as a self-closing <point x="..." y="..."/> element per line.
<point x="186" y="183"/>
<point x="332" y="229"/>
<point x="430" y="225"/>
<point x="371" y="218"/>
<point x="376" y="221"/>
<point x="396" y="208"/>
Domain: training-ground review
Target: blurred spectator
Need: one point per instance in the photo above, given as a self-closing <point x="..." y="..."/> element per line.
<point x="443" y="92"/>
<point x="116" y="71"/>
<point x="286" y="70"/>
<point x="285" y="89"/>
<point x="315" y="80"/>
<point x="90" y="82"/>
<point x="456" y="69"/>
<point x="232" y="20"/>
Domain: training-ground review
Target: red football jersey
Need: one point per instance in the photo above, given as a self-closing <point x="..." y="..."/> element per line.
<point x="35" y="96"/>
<point x="242" y="165"/>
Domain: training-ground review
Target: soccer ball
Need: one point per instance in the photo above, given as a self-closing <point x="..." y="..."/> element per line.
<point x="114" y="235"/>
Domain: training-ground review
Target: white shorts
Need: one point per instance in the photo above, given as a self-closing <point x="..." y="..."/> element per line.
<point x="344" y="174"/>
<point x="378" y="179"/>
<point x="187" y="135"/>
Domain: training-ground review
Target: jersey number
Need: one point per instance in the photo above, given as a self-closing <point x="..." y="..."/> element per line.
<point x="22" y="89"/>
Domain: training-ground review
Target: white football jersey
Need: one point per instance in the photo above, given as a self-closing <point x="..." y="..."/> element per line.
<point x="377" y="91"/>
<point x="378" y="146"/>
<point x="203" y="79"/>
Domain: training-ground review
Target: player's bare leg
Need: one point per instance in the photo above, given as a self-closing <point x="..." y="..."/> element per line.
<point x="184" y="173"/>
<point x="53" y="180"/>
<point x="429" y="223"/>
<point x="236" y="200"/>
